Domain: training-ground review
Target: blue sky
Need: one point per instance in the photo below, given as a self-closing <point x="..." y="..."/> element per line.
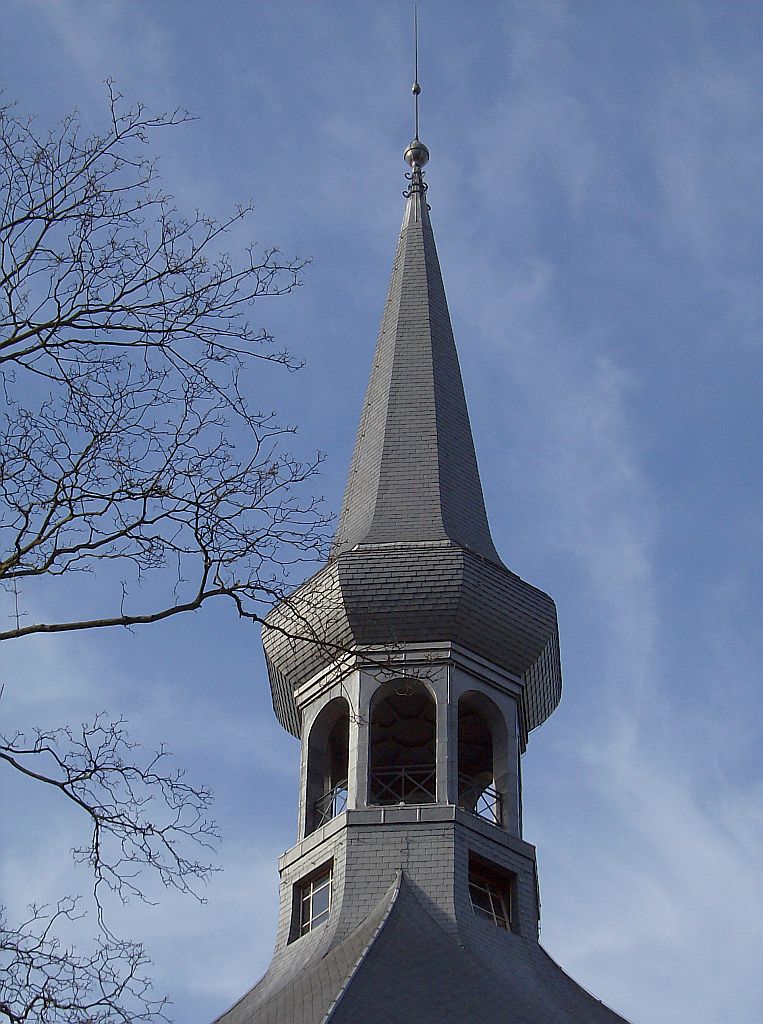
<point x="596" y="185"/>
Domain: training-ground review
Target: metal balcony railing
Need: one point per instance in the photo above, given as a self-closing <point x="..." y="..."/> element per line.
<point x="331" y="804"/>
<point x="410" y="784"/>
<point x="483" y="801"/>
<point x="414" y="785"/>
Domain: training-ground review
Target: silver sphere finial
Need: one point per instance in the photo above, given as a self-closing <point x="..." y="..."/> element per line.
<point x="417" y="154"/>
<point x="415" y="88"/>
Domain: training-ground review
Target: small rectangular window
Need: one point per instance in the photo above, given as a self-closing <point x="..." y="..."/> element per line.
<point x="488" y="901"/>
<point x="490" y="893"/>
<point x="314" y="901"/>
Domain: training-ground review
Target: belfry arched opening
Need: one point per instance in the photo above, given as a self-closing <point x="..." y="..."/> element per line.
<point x="403" y="745"/>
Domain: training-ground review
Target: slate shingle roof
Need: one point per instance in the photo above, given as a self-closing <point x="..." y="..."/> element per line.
<point x="310" y="985"/>
<point x="400" y="967"/>
<point x="413" y="559"/>
<point x="414" y="475"/>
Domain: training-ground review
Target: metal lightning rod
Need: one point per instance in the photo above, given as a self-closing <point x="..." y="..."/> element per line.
<point x="417" y="154"/>
<point x="416" y="89"/>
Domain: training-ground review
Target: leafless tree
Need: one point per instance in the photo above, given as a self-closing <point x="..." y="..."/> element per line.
<point x="141" y="815"/>
<point x="130" y="449"/>
<point x="47" y="981"/>
<point x="128" y="441"/>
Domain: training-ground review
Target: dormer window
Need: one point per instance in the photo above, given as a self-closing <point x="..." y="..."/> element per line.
<point x="314" y="901"/>
<point x="490" y="892"/>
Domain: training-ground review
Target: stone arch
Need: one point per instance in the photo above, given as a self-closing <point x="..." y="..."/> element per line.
<point x="327" y="764"/>
<point x="483" y="757"/>
<point x="403" y="744"/>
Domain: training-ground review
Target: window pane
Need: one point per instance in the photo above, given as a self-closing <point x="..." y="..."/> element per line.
<point x="320" y="918"/>
<point x="322" y="883"/>
<point x="320" y="901"/>
<point x="490" y="899"/>
<point x="315" y="902"/>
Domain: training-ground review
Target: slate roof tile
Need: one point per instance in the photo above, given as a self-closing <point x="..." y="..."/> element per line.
<point x="399" y="966"/>
<point x="413" y="559"/>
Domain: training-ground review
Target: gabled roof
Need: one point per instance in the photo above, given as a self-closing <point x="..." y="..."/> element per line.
<point x="305" y="982"/>
<point x="414" y="473"/>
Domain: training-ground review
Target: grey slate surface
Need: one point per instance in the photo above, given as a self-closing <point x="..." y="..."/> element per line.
<point x="416" y="594"/>
<point x="400" y="967"/>
<point x="415" y="972"/>
<point x="307" y="990"/>
<point x="413" y="559"/>
<point x="413" y="475"/>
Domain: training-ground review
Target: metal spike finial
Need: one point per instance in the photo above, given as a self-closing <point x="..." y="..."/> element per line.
<point x="416" y="88"/>
<point x="416" y="154"/>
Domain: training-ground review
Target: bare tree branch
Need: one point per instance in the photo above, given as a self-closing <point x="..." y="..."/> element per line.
<point x="130" y="444"/>
<point x="45" y="981"/>
<point x="141" y="815"/>
<point x="130" y="449"/>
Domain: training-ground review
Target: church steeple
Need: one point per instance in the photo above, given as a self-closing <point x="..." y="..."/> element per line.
<point x="412" y="667"/>
<point x="414" y="476"/>
<point x="413" y="560"/>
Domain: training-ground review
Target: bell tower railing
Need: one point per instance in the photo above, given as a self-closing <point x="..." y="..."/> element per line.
<point x="407" y="784"/>
<point x="482" y="801"/>
<point x="331" y="804"/>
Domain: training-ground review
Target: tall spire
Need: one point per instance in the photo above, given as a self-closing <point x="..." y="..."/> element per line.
<point x="413" y="666"/>
<point x="413" y="560"/>
<point x="414" y="476"/>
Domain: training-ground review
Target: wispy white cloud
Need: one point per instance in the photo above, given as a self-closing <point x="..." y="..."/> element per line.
<point x="654" y="857"/>
<point x="108" y="40"/>
<point x="569" y="150"/>
<point x="47" y="681"/>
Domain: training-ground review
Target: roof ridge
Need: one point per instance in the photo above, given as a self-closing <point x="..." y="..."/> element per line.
<point x="395" y="891"/>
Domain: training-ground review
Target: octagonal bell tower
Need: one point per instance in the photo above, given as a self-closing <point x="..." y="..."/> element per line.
<point x="413" y="667"/>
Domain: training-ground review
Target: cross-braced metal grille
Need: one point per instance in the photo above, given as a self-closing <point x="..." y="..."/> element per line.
<point x="404" y="785"/>
<point x="483" y="801"/>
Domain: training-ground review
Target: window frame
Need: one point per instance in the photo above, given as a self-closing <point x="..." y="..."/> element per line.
<point x="499" y="901"/>
<point x="306" y="920"/>
<point x="498" y="889"/>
